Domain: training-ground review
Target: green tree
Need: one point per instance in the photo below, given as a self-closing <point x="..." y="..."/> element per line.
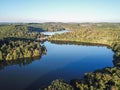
<point x="15" y="56"/>
<point x="1" y="55"/>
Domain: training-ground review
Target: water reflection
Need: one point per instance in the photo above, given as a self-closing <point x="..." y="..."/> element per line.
<point x="20" y="62"/>
<point x="62" y="61"/>
<point x="23" y="62"/>
<point x="116" y="59"/>
<point x="78" y="43"/>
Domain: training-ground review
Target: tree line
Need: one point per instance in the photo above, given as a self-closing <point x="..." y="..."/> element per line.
<point x="104" y="79"/>
<point x="16" y="43"/>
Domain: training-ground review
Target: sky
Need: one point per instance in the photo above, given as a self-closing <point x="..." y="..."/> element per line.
<point x="59" y="10"/>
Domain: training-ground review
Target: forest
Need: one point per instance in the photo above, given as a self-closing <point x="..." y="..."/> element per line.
<point x="18" y="41"/>
<point x="103" y="34"/>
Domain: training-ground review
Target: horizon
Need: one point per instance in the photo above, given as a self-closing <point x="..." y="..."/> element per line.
<point x="54" y="22"/>
<point x="69" y="11"/>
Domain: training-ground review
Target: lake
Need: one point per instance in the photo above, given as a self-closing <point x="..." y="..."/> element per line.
<point x="62" y="61"/>
<point x="57" y="32"/>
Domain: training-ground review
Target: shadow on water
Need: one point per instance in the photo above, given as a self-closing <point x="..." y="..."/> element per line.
<point x="78" y="43"/>
<point x="19" y="62"/>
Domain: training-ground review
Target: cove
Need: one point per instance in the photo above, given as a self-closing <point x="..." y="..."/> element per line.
<point x="62" y="61"/>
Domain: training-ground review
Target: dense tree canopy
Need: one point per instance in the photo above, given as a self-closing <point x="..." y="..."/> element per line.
<point x="18" y="41"/>
<point x="105" y="34"/>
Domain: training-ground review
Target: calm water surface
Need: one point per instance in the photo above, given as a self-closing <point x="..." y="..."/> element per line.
<point x="57" y="32"/>
<point x="61" y="62"/>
